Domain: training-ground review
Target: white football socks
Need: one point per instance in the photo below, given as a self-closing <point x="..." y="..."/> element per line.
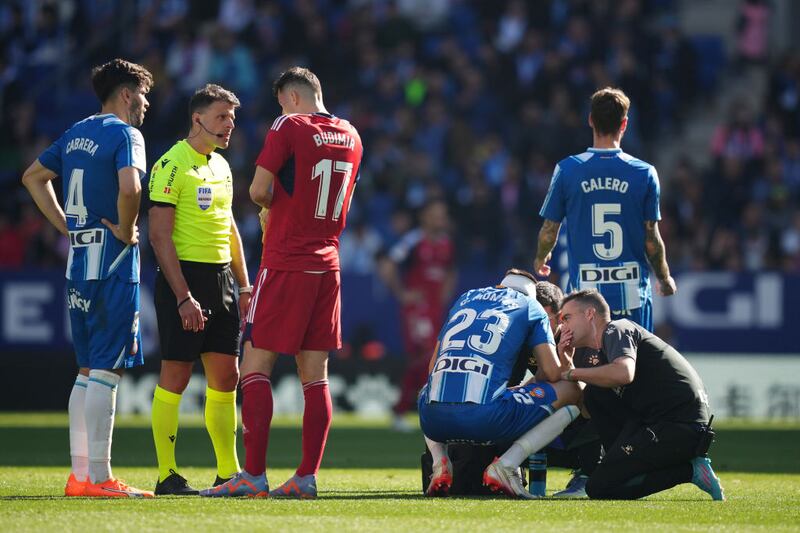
<point x="539" y="436"/>
<point x="101" y="399"/>
<point x="438" y="450"/>
<point x="78" y="442"/>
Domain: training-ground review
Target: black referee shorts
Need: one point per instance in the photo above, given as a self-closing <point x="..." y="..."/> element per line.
<point x="213" y="287"/>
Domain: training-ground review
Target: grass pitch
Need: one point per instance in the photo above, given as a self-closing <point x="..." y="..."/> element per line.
<point x="370" y="481"/>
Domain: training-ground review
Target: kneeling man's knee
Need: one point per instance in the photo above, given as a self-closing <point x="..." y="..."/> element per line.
<point x="598" y="488"/>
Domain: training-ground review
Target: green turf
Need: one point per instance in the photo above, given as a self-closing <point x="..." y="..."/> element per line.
<point x="370" y="482"/>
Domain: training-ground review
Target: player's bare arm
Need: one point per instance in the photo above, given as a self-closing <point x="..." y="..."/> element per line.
<point x="548" y="236"/>
<point x="128" y="201"/>
<point x="547" y="363"/>
<point x="261" y="187"/>
<point x="38" y="180"/>
<point x="239" y="269"/>
<point x="617" y="373"/>
<point x="657" y="256"/>
<point x="162" y="222"/>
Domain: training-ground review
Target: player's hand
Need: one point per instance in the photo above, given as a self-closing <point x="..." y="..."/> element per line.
<point x="192" y="318"/>
<point x="244" y="305"/>
<point x="540" y="266"/>
<point x="667" y="287"/>
<point x="121" y="234"/>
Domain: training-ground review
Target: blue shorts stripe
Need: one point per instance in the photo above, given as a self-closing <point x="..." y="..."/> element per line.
<point x="106" y="383"/>
<point x="80" y="384"/>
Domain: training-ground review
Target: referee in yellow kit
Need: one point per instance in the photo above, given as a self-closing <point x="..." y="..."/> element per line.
<point x="200" y="259"/>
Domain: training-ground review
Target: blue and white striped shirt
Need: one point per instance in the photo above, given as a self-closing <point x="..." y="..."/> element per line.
<point x="88" y="157"/>
<point x="606" y="196"/>
<point x="480" y="342"/>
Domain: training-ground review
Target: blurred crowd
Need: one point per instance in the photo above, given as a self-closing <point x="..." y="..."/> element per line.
<point x="472" y="102"/>
<point x="743" y="212"/>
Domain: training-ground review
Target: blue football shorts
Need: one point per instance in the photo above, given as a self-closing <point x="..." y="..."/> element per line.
<point x="502" y="420"/>
<point x="104" y="316"/>
<point x="642" y="315"/>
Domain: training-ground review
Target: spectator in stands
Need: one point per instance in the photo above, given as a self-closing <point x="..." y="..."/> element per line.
<point x="466" y="96"/>
<point x="753" y="31"/>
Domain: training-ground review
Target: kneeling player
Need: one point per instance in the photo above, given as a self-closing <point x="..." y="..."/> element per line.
<point x="467" y="399"/>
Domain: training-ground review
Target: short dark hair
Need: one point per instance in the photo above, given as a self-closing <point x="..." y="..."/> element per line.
<point x="549" y="295"/>
<point x="297" y="75"/>
<point x="589" y="298"/>
<point x="207" y="95"/>
<point x="520" y="272"/>
<point x="109" y="77"/>
<point x="609" y="107"/>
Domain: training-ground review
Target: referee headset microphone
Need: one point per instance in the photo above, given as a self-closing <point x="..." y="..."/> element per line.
<point x="220" y="135"/>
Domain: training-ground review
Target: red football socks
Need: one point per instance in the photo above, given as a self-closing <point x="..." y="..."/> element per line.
<point x="256" y="419"/>
<point x="316" y="423"/>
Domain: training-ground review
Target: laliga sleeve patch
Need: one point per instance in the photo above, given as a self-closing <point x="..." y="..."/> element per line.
<point x="537" y="392"/>
<point x="205" y="195"/>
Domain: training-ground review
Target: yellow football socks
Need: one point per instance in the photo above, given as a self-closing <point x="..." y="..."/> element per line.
<point x="164" y="417"/>
<point x="220" y="415"/>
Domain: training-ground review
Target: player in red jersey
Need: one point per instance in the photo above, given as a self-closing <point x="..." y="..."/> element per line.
<point x="420" y="271"/>
<point x="305" y="177"/>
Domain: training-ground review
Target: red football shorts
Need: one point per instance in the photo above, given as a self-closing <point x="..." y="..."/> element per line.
<point x="293" y="311"/>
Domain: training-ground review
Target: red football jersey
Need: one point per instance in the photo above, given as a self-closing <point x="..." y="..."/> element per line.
<point x="315" y="158"/>
<point x="426" y="263"/>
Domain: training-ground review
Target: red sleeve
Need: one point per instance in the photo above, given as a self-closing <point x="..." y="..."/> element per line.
<point x="276" y="150"/>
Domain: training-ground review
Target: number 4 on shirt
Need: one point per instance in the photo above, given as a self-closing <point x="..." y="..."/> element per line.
<point x="74" y="206"/>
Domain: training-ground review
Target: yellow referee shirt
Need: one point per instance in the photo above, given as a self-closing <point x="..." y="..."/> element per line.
<point x="201" y="189"/>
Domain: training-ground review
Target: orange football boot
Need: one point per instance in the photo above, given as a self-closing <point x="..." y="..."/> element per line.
<point x="75" y="487"/>
<point x="114" y="488"/>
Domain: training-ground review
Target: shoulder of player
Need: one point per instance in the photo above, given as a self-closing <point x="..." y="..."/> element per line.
<point x="570" y="163"/>
<point x="535" y="309"/>
<point x="133" y="134"/>
<point x="347" y="124"/>
<point x="109" y="122"/>
<point x="305" y="119"/>
<point x="284" y="122"/>
<point x="637" y="163"/>
<point x="106" y="124"/>
<point x="575" y="160"/>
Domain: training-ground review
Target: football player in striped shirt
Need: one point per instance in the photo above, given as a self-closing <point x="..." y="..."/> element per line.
<point x="467" y="398"/>
<point x="101" y="160"/>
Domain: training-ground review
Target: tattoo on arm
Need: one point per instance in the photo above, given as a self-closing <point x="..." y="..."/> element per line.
<point x="547" y="238"/>
<point x="656" y="253"/>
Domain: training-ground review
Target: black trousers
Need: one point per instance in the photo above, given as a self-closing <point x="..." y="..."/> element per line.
<point x="582" y="448"/>
<point x="640" y="459"/>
